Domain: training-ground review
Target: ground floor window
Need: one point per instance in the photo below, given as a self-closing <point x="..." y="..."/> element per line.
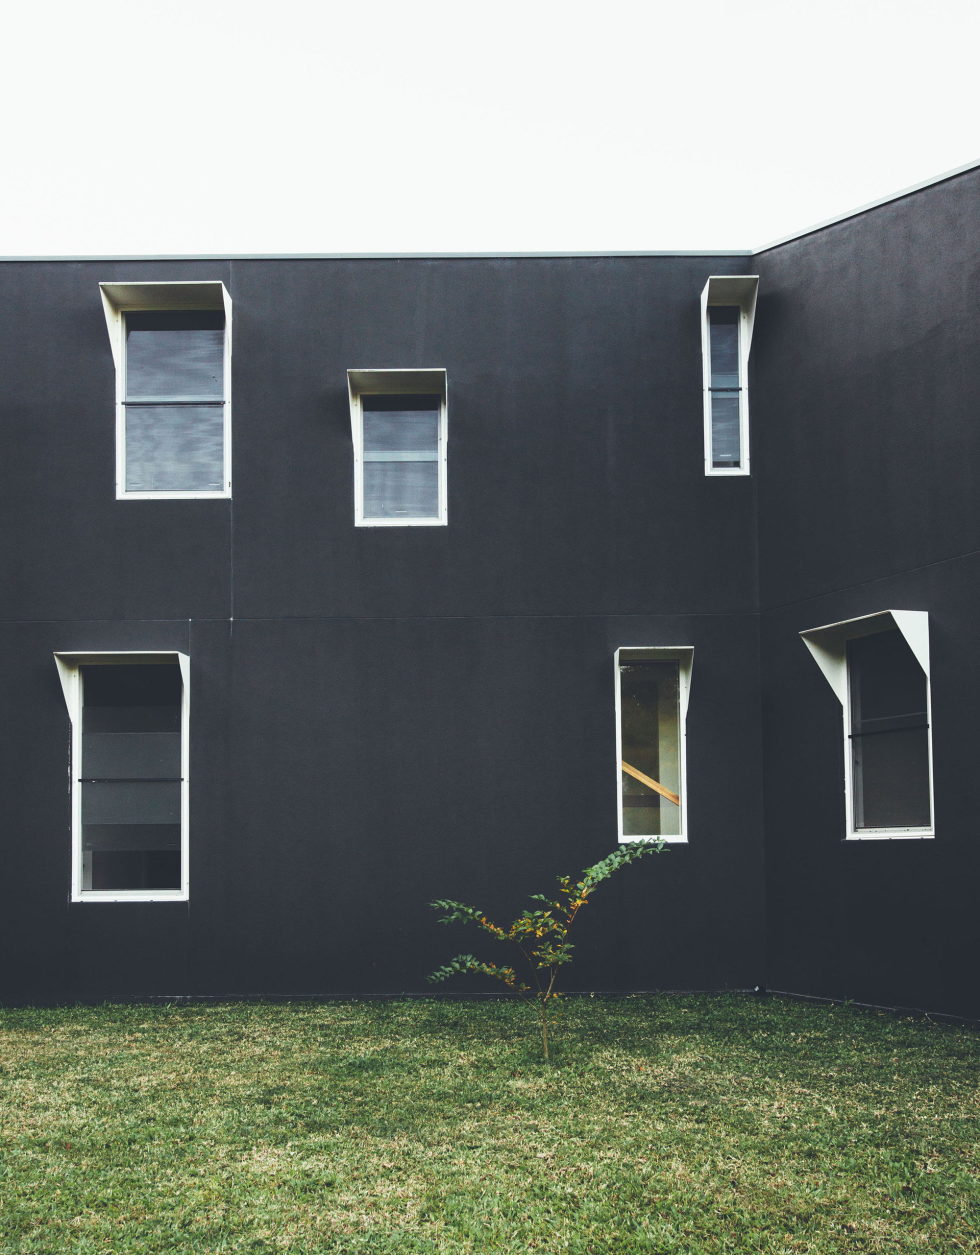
<point x="879" y="668"/>
<point x="651" y="694"/>
<point x="129" y="717"/>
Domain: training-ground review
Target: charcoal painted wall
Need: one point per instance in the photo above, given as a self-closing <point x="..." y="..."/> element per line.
<point x="867" y="455"/>
<point x="383" y="716"/>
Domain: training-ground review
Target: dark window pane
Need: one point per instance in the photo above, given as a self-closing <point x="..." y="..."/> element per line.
<point x="387" y="402"/>
<point x="401" y="490"/>
<point x="650" y="713"/>
<point x="723" y="321"/>
<point x="130" y="776"/>
<point x="891" y="779"/>
<point x="725" y="430"/>
<point x="176" y="448"/>
<point x="410" y="431"/>
<point x="130" y="802"/>
<point x="886" y="681"/>
<point x="109" y="870"/>
<point x="889" y="736"/>
<point x="142" y="697"/>
<point x="131" y="755"/>
<point x="175" y="356"/>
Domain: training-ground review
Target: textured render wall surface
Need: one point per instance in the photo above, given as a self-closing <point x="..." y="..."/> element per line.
<point x="380" y="717"/>
<point x="867" y="391"/>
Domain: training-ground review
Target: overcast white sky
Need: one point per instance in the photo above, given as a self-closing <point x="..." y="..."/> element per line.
<point x="371" y="126"/>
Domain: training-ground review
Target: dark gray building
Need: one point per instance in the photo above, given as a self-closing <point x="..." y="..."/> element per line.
<point x="335" y="585"/>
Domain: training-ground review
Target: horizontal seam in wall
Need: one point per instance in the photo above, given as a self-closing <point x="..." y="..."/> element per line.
<point x="571" y="616"/>
<point x="875" y="579"/>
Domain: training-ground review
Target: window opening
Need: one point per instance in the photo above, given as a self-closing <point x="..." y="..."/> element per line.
<point x="878" y="667"/>
<point x="171" y="343"/>
<point x="889" y="733"/>
<point x="401" y="456"/>
<point x="129" y="715"/>
<point x="727" y="318"/>
<point x="174" y="401"/>
<point x="652" y="687"/>
<point x="399" y="434"/>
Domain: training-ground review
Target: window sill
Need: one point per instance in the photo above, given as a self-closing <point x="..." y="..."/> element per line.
<point x="892" y="834"/>
<point x="222" y="494"/>
<point x="133" y="895"/>
<point x="665" y="840"/>
<point x="433" y="522"/>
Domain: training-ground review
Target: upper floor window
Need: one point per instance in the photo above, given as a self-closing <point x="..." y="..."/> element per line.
<point x="172" y="347"/>
<point x="652" y="687"/>
<point x="878" y="667"/>
<point x="398" y="426"/>
<point x="129" y="716"/>
<point x="728" y="313"/>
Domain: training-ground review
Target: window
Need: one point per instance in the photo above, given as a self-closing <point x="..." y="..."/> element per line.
<point x="129" y="717"/>
<point x="727" y="317"/>
<point x="398" y="425"/>
<point x="878" y="667"/>
<point x="652" y="686"/>
<point x="172" y="348"/>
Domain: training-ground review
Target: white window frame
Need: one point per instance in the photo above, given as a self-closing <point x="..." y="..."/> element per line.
<point x="828" y="646"/>
<point x="431" y="382"/>
<point x="69" y="672"/>
<point x="119" y="299"/>
<point x="684" y="656"/>
<point x="731" y="290"/>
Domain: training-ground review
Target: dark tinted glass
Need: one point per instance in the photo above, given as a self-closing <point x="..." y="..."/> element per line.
<point x="723" y="323"/>
<point x="177" y="448"/>
<point x="176" y="356"/>
<point x="130" y="777"/>
<point x="726" y="439"/>
<point x="889" y="733"/>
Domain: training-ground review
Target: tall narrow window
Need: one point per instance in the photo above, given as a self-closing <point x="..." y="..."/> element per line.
<point x="172" y="348"/>
<point x="129" y="774"/>
<point x="398" y="423"/>
<point x="728" y="312"/>
<point x="878" y="666"/>
<point x="652" y="686"/>
<point x="725" y="387"/>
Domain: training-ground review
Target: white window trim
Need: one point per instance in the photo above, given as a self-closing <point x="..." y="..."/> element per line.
<point x="742" y="291"/>
<point x="361" y="383"/>
<point x="69" y="672"/>
<point x="684" y="656"/>
<point x="118" y="299"/>
<point x="828" y="646"/>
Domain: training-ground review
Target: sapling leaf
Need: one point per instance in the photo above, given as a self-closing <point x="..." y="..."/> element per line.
<point x="541" y="936"/>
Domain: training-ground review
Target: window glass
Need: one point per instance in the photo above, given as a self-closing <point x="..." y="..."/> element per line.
<point x="130" y="777"/>
<point x="174" y="401"/>
<point x="725" y="386"/>
<point x="889" y="733"/>
<point x="651" y="763"/>
<point x="401" y="456"/>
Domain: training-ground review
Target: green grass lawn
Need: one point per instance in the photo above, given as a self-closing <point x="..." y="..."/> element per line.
<point x="672" y="1124"/>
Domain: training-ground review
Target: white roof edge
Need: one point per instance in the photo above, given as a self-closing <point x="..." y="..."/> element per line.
<point x="871" y="204"/>
<point x="219" y="257"/>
